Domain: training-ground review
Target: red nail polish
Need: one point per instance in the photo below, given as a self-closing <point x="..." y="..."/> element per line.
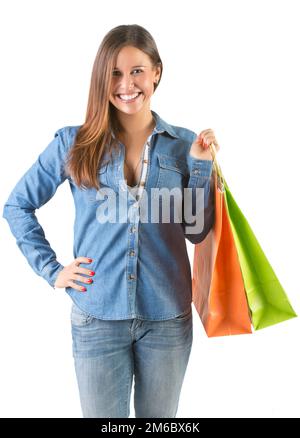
<point x="90" y="260"/>
<point x="83" y="289"/>
<point x="89" y="280"/>
<point x="92" y="273"/>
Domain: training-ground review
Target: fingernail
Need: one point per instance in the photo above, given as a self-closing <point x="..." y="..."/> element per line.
<point x="89" y="280"/>
<point x="92" y="273"/>
<point x="90" y="260"/>
<point x="83" y="289"/>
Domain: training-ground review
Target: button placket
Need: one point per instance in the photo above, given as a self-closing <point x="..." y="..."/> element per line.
<point x="133" y="239"/>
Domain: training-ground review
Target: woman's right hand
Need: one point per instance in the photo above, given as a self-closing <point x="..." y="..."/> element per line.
<point x="70" y="272"/>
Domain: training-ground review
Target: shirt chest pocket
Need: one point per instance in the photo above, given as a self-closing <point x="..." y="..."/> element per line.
<point x="173" y="172"/>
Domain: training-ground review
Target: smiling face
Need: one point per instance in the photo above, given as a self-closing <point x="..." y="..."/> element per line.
<point x="132" y="81"/>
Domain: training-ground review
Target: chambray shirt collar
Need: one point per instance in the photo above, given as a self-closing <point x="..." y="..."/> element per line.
<point x="160" y="127"/>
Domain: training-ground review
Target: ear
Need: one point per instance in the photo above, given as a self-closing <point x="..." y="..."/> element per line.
<point x="157" y="72"/>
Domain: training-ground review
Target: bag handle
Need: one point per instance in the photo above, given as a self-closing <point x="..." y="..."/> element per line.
<point x="217" y="168"/>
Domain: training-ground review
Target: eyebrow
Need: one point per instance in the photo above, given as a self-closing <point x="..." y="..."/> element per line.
<point x="134" y="66"/>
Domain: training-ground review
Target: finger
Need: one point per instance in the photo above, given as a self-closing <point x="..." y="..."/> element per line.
<point x="82" y="279"/>
<point x="79" y="260"/>
<point x="84" y="271"/>
<point x="201" y="140"/>
<point x="210" y="140"/>
<point x="201" y="135"/>
<point x="76" y="286"/>
<point x="206" y="132"/>
<point x="207" y="141"/>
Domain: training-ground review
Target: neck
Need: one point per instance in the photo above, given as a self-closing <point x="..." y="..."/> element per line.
<point x="136" y="124"/>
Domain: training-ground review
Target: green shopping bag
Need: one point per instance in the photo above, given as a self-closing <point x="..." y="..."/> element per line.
<point x="267" y="300"/>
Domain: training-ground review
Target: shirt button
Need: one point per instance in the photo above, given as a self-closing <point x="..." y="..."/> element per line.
<point x="142" y="183"/>
<point x="145" y="161"/>
<point x="132" y="253"/>
<point x="131" y="276"/>
<point x="133" y="229"/>
<point x="196" y="171"/>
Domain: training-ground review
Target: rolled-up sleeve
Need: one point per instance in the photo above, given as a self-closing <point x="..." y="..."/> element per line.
<point x="36" y="187"/>
<point x="200" y="177"/>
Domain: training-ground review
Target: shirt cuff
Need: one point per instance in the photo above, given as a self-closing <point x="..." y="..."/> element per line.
<point x="51" y="271"/>
<point x="199" y="167"/>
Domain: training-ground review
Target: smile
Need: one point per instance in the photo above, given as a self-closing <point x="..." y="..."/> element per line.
<point x="128" y="98"/>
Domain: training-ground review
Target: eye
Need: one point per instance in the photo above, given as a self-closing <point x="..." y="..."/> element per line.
<point x="138" y="69"/>
<point x="116" y="72"/>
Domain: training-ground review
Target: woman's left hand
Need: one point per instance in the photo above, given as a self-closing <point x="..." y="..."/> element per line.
<point x="200" y="147"/>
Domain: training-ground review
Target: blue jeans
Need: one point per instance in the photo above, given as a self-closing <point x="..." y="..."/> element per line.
<point x="108" y="353"/>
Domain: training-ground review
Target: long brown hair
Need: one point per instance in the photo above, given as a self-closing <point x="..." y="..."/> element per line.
<point x="86" y="153"/>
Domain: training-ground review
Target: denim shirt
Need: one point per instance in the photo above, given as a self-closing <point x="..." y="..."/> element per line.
<point x="142" y="269"/>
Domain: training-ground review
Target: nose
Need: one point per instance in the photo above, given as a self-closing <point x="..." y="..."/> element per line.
<point x="126" y="83"/>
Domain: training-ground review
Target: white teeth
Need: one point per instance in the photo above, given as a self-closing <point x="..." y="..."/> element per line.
<point x="128" y="96"/>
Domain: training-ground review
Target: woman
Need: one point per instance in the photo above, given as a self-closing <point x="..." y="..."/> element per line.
<point x="133" y="315"/>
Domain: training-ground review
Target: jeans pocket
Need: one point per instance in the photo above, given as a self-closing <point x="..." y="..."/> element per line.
<point x="80" y="318"/>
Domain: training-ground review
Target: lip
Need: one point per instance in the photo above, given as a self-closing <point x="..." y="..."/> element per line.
<point x="128" y="94"/>
<point x="129" y="101"/>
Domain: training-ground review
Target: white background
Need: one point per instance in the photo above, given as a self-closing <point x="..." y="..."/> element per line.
<point x="232" y="66"/>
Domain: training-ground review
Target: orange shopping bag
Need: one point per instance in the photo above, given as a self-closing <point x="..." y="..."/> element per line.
<point x="218" y="291"/>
